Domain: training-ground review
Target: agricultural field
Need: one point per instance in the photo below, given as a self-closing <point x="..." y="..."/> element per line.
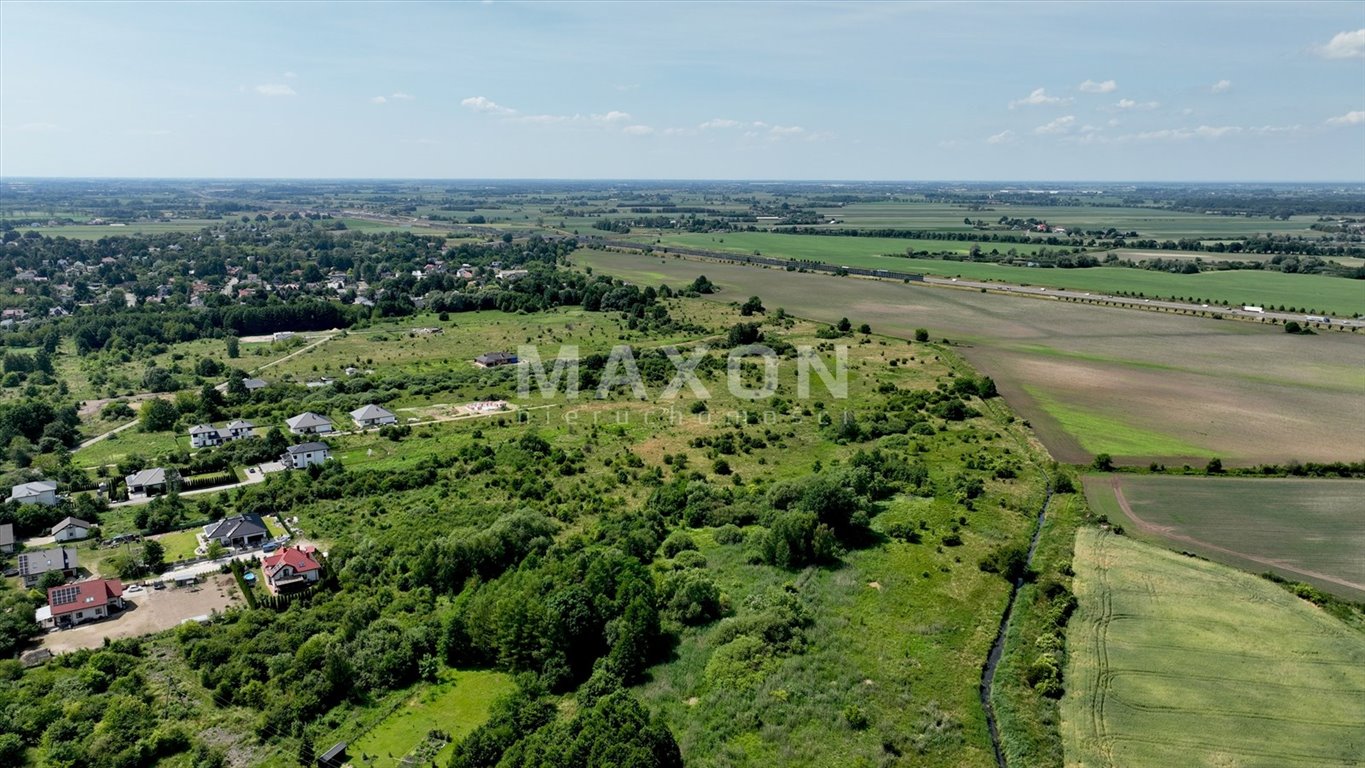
<point x="1304" y="530"/>
<point x="1147" y="222"/>
<point x="1318" y="293"/>
<point x="1140" y="385"/>
<point x="1177" y="661"/>
<point x="97" y="231"/>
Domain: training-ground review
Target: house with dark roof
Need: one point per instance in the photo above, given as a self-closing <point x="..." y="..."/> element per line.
<point x="372" y="416"/>
<point x="37" y="492"/>
<point x="494" y="359"/>
<point x="71" y="529"/>
<point x="207" y="435"/>
<point x="305" y="455"/>
<point x="148" y="482"/>
<point x="72" y="604"/>
<point x="309" y="423"/>
<point x="291" y="567"/>
<point x="36" y="564"/>
<point x="254" y="384"/>
<point x="6" y="538"/>
<point x="238" y="532"/>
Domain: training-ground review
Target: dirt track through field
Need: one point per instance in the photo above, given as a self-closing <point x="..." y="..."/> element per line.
<point x="1168" y="532"/>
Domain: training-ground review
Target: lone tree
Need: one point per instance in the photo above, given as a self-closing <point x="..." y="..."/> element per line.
<point x="1103" y="462"/>
<point x="921" y="334"/>
<point x="158" y="415"/>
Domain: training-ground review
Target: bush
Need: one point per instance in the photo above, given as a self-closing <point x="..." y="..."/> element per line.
<point x="729" y="534"/>
<point x="678" y="542"/>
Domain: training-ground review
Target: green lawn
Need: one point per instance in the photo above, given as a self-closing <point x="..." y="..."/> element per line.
<point x="1178" y="661"/>
<point x="457" y="704"/>
<point x="179" y="545"/>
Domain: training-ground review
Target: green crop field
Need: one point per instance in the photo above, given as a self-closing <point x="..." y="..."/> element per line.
<point x="457" y="704"/>
<point x="1318" y="293"/>
<point x="97" y="231"/>
<point x="1183" y="387"/>
<point x="1177" y="661"/>
<point x="1147" y="222"/>
<point x="1304" y="530"/>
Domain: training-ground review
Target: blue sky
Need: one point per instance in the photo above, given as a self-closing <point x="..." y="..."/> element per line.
<point x="971" y="91"/>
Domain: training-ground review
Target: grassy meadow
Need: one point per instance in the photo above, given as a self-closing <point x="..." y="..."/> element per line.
<point x="456" y="704"/>
<point x="1170" y="388"/>
<point x="1304" y="530"/>
<point x="1178" y="661"/>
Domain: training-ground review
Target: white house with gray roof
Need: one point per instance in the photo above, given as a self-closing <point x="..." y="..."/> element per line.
<point x="37" y="492"/>
<point x="372" y="416"/>
<point x="309" y="423"/>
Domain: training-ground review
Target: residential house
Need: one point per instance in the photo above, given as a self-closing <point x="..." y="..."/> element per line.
<point x="309" y="423"/>
<point x="71" y="529"/>
<point x="238" y="429"/>
<point x="148" y="482"/>
<point x="494" y="359"/>
<point x="305" y="455"/>
<point x="37" y="492"/>
<point x="238" y="532"/>
<point x="205" y="436"/>
<point x="291" y="567"/>
<point x="34" y="565"/>
<point x="254" y="384"/>
<point x="72" y="604"/>
<point x="372" y="416"/>
<point x="6" y="538"/>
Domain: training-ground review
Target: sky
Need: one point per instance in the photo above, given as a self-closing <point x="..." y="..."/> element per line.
<point x="1128" y="91"/>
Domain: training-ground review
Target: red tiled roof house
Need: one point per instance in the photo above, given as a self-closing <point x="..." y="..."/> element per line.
<point x="72" y="604"/>
<point x="290" y="567"/>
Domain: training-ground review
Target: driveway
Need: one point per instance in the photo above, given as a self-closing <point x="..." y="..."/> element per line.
<point x="149" y="611"/>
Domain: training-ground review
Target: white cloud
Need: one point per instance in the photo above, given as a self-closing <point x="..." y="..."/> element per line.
<point x="1039" y="98"/>
<point x="1004" y="137"/>
<point x="1222" y="86"/>
<point x="784" y="131"/>
<point x="481" y="104"/>
<point x="1130" y="104"/>
<point x="1184" y="134"/>
<point x="1343" y="45"/>
<point x="612" y="117"/>
<point x="719" y="122"/>
<point x="290" y="75"/>
<point x="378" y="100"/>
<point x="1090" y="86"/>
<point x="1060" y="125"/>
<point x="1354" y="117"/>
<point x="637" y="130"/>
<point x="402" y="96"/>
<point x="275" y="89"/>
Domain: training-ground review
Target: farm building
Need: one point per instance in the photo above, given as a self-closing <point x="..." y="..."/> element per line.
<point x="291" y="567"/>
<point x="71" y="529"/>
<point x="148" y="482"/>
<point x="494" y="359"/>
<point x="37" y="492"/>
<point x="238" y="532"/>
<point x="309" y="423"/>
<point x="34" y="565"/>
<point x="72" y="604"/>
<point x="372" y="416"/>
<point x="305" y="455"/>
